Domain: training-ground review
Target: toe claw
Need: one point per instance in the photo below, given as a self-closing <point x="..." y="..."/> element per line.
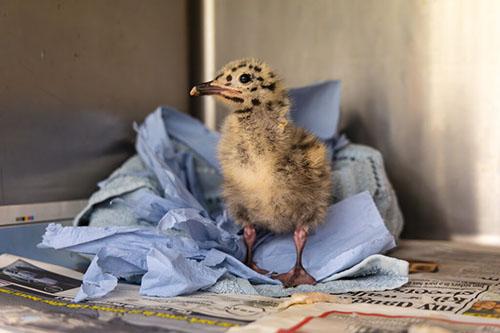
<point x="256" y="268"/>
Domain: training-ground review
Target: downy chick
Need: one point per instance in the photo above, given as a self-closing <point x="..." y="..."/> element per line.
<point x="276" y="176"/>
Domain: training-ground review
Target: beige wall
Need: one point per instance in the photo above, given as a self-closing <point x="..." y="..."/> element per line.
<point x="73" y="77"/>
<point x="421" y="82"/>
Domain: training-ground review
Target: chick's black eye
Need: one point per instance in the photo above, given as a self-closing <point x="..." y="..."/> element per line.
<point x="245" y="78"/>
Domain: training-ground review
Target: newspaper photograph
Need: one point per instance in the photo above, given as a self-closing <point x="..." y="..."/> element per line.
<point x="38" y="297"/>
<point x="26" y="274"/>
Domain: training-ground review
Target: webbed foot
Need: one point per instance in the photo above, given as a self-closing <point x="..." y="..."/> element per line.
<point x="296" y="276"/>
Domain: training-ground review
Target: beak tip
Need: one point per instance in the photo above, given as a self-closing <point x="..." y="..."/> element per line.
<point x="194" y="92"/>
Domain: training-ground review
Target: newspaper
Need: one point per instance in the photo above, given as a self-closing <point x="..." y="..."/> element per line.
<point x="467" y="280"/>
<point x="366" y="318"/>
<point x="38" y="297"/>
<point x="460" y="293"/>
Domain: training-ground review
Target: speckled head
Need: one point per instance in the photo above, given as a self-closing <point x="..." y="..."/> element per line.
<point x="243" y="85"/>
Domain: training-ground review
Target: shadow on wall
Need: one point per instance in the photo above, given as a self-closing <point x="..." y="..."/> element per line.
<point x="73" y="77"/>
<point x="49" y="155"/>
<point x="418" y="201"/>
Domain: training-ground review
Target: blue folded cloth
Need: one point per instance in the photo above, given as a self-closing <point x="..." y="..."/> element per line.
<point x="158" y="221"/>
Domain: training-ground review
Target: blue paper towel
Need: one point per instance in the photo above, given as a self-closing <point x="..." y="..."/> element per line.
<point x="182" y="254"/>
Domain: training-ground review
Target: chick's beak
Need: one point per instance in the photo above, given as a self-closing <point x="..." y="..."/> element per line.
<point x="210" y="88"/>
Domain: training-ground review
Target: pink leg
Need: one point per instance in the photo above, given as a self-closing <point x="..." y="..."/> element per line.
<point x="250" y="235"/>
<point x="297" y="275"/>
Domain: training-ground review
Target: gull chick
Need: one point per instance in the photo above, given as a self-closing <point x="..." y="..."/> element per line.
<point x="277" y="176"/>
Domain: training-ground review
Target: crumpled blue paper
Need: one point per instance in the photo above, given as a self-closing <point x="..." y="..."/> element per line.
<point x="183" y="247"/>
<point x="160" y="267"/>
<point x="182" y="254"/>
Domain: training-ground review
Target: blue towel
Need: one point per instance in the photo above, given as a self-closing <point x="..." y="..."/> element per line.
<point x="164" y="227"/>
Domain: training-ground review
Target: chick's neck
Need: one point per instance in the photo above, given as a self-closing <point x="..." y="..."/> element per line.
<point x="266" y="125"/>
